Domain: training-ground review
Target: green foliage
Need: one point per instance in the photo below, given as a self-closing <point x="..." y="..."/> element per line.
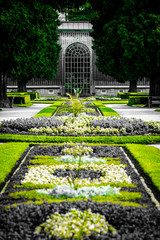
<point x="77" y="225"/>
<point x="9" y="154"/>
<point x="125" y="196"/>
<point x="134" y="100"/>
<point x="105" y="110"/>
<point x="115" y="102"/>
<point x="126" y="39"/>
<point x="33" y="95"/>
<point x="148" y="158"/>
<point x="128" y="94"/>
<point x="31" y="30"/>
<point x="97" y="139"/>
<point x="76" y="105"/>
<point x="49" y="111"/>
<point x="84" y="13"/>
<point x="77" y="151"/>
<point x="20" y="98"/>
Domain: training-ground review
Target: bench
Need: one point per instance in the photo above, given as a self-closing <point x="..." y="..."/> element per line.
<point x="153" y="100"/>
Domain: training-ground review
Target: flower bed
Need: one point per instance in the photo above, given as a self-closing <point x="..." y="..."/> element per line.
<point x="107" y="186"/>
<point x="81" y="125"/>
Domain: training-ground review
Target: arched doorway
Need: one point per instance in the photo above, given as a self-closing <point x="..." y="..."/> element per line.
<point x="77" y="69"/>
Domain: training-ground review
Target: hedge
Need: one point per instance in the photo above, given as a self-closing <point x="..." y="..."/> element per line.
<point x="94" y="139"/>
<point x="49" y="111"/>
<point x="133" y="100"/>
<point x="106" y="111"/>
<point x="126" y="95"/>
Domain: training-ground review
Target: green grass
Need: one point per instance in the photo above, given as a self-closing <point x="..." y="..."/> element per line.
<point x="106" y="111"/>
<point x="49" y="111"/>
<point x="9" y="154"/>
<point x="96" y="139"/>
<point x="148" y="158"/>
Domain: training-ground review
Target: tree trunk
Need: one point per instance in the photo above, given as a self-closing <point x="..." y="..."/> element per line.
<point x="132" y="86"/>
<point x="4" y="101"/>
<point x="22" y="86"/>
<point x="155" y="85"/>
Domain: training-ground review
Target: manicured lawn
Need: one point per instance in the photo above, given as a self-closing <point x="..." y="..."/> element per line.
<point x="148" y="158"/>
<point x="9" y="154"/>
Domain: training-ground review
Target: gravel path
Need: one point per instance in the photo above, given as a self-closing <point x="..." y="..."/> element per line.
<point x="21" y="112"/>
<point x="144" y="113"/>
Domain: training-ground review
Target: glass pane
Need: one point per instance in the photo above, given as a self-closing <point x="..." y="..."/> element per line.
<point x="77" y="68"/>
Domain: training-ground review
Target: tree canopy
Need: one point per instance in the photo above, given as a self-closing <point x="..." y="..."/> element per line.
<point x="127" y="38"/>
<point x="29" y="39"/>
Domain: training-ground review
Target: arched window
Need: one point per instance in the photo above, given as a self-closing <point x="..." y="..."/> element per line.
<point x="77" y="68"/>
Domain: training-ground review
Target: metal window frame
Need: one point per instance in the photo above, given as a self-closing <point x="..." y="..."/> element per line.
<point x="77" y="72"/>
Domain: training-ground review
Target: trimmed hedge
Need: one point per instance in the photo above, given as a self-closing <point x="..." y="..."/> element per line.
<point x="133" y="100"/>
<point x="126" y="95"/>
<point x="106" y="111"/>
<point x="33" y="95"/>
<point x="49" y="111"/>
<point x="97" y="139"/>
<point x="20" y="98"/>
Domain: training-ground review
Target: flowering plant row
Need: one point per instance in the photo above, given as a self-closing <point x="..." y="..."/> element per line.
<point x="91" y="125"/>
<point x="72" y="217"/>
<point x="23" y="124"/>
<point x="75" y="225"/>
<point x="43" y="174"/>
<point x="81" y="125"/>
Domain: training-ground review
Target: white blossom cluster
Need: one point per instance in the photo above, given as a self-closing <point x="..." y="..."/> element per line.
<point x="79" y="125"/>
<point x="68" y="191"/>
<point x="77" y="130"/>
<point x="43" y="174"/>
<point x="75" y="225"/>
<point x="78" y="149"/>
<point x="154" y="125"/>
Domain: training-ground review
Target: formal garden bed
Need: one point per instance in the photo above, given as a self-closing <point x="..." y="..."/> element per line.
<point x="79" y="190"/>
<point x="79" y="126"/>
<point x="76" y="181"/>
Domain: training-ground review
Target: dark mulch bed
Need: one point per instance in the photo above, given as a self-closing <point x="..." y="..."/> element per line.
<point x="131" y="223"/>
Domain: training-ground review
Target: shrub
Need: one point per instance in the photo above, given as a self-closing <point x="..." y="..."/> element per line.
<point x="21" y="124"/>
<point x="133" y="100"/>
<point x="130" y="125"/>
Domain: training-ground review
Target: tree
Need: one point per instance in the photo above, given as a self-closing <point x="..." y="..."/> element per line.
<point x="83" y="13"/>
<point x="35" y="50"/>
<point x="5" y="58"/>
<point x="28" y="40"/>
<point x="126" y="39"/>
